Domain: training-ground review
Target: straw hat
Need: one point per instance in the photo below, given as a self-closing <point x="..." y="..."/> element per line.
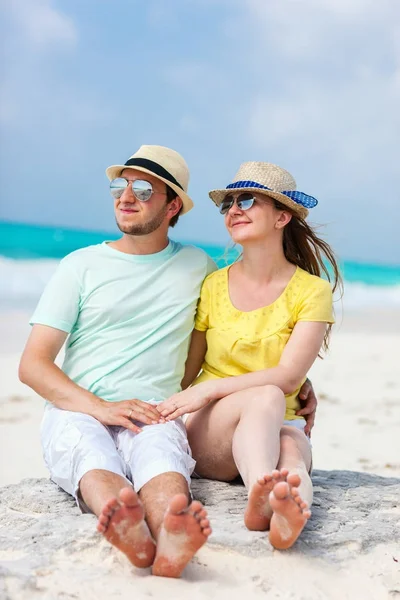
<point x="271" y="180"/>
<point x="163" y="163"/>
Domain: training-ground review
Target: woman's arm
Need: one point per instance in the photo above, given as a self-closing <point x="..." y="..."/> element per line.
<point x="298" y="356"/>
<point x="197" y="352"/>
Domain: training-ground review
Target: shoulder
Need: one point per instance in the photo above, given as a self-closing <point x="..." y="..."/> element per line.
<point x="308" y="282"/>
<point x="216" y="278"/>
<point x="81" y="259"/>
<point x="195" y="256"/>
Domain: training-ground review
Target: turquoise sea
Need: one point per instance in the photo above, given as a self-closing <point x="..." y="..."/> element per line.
<point x="29" y="254"/>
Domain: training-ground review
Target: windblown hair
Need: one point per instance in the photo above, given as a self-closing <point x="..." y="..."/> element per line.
<point x="304" y="248"/>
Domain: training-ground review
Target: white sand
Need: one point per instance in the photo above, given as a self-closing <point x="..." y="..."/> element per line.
<point x="358" y="428"/>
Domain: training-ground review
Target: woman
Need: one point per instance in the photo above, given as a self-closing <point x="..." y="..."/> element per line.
<point x="259" y="327"/>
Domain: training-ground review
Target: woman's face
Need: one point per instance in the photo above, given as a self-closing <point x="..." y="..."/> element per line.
<point x="257" y="223"/>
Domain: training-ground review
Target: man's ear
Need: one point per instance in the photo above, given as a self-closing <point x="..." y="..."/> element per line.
<point x="174" y="207"/>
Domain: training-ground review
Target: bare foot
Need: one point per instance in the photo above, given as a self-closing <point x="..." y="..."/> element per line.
<point x="290" y="513"/>
<point x="258" y="512"/>
<point x="184" y="530"/>
<point x="122" y="524"/>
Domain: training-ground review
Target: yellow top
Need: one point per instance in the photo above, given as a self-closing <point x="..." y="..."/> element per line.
<point x="242" y="342"/>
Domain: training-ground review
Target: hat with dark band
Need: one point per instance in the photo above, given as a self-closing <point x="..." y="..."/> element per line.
<point x="163" y="163"/>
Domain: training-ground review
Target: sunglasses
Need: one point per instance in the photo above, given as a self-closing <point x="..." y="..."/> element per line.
<point x="141" y="189"/>
<point x="243" y="202"/>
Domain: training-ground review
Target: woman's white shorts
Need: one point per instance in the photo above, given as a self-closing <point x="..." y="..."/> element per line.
<point x="75" y="443"/>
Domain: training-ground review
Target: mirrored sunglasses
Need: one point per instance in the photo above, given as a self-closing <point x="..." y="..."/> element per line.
<point x="243" y="202"/>
<point x="141" y="189"/>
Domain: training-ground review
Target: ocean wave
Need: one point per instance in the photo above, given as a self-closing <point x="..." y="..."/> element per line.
<point x="22" y="282"/>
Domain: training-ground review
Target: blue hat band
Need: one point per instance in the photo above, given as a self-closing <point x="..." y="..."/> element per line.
<point x="298" y="197"/>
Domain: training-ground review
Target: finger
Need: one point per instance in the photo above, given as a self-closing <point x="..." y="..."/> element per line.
<point x="168" y="410"/>
<point x="148" y="409"/>
<point x="177" y="413"/>
<point x="307" y="410"/>
<point x="305" y="390"/>
<point x="140" y="416"/>
<point x="127" y="423"/>
<point x="145" y="412"/>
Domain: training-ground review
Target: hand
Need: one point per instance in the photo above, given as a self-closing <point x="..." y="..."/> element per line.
<point x="123" y="413"/>
<point x="188" y="401"/>
<point x="309" y="401"/>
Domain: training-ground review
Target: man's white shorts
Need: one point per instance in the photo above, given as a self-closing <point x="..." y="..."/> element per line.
<point x="75" y="443"/>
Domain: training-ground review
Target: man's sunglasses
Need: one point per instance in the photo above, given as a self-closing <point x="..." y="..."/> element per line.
<point x="243" y="201"/>
<point x="141" y="189"/>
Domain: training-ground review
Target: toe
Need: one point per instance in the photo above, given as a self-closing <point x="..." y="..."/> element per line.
<point x="129" y="497"/>
<point x="111" y="506"/>
<point x="294" y="480"/>
<point x="281" y="490"/>
<point x="196" y="506"/>
<point x="207" y="531"/>
<point x="204" y="523"/>
<point x="295" y="492"/>
<point x="178" y="504"/>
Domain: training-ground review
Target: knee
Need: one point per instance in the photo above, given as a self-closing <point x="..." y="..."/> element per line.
<point x="293" y="439"/>
<point x="267" y="398"/>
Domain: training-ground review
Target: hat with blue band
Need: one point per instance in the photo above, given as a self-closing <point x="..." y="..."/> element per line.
<point x="270" y="180"/>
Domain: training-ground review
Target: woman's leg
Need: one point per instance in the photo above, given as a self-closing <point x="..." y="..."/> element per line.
<point x="238" y="434"/>
<point x="290" y="500"/>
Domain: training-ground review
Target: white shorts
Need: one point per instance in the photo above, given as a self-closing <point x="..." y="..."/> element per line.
<point x="74" y="443"/>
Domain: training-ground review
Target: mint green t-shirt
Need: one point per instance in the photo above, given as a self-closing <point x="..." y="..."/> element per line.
<point x="129" y="317"/>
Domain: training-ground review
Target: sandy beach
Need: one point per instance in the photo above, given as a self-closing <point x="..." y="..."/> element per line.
<point x="357" y="429"/>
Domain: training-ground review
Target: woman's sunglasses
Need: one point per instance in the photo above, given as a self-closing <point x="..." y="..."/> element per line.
<point x="243" y="201"/>
<point x="142" y="189"/>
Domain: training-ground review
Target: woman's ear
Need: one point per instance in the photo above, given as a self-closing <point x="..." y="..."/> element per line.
<point x="283" y="219"/>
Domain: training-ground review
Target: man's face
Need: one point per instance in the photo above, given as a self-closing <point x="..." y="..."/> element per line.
<point x="141" y="218"/>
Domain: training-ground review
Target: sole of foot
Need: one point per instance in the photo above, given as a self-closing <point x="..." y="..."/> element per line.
<point x="122" y="524"/>
<point x="290" y="513"/>
<point x="184" y="531"/>
<point x="258" y="512"/>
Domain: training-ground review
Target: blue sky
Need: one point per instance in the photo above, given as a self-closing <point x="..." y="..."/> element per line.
<point x="312" y="86"/>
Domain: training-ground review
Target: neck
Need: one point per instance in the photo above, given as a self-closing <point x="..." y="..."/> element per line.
<point x="141" y="244"/>
<point x="262" y="262"/>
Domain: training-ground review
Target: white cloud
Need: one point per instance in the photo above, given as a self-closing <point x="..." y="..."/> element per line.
<point x="41" y="25"/>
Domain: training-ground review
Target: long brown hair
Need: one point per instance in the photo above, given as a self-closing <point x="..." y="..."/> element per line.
<point x="304" y="248"/>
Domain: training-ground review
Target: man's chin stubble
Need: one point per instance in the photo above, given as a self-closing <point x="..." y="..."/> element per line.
<point x="145" y="228"/>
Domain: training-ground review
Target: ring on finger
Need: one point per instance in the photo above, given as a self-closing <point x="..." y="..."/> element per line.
<point x="130" y="413"/>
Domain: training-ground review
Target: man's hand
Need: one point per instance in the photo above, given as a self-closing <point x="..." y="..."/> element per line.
<point x="309" y="402"/>
<point x="124" y="413"/>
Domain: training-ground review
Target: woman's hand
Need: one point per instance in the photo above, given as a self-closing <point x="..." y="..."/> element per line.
<point x="124" y="413"/>
<point x="188" y="401"/>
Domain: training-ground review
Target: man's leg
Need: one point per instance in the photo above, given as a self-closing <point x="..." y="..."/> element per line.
<point x="82" y="458"/>
<point x="121" y="515"/>
<point x="179" y="527"/>
<point x="161" y="466"/>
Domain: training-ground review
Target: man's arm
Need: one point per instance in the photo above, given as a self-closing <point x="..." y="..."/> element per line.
<point x="309" y="402"/>
<point x="38" y="370"/>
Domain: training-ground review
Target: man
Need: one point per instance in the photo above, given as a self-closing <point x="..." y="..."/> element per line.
<point x="128" y="308"/>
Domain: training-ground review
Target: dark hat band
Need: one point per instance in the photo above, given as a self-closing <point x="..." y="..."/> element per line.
<point x="157" y="169"/>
